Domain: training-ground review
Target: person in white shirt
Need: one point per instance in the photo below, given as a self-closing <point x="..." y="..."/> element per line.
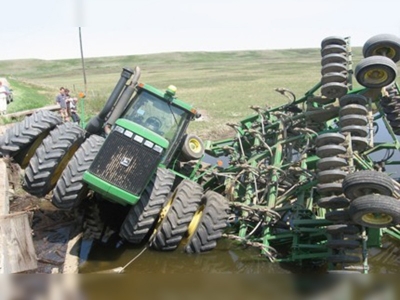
<point x="3" y="99"/>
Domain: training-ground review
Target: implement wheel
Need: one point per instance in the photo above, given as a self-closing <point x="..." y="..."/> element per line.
<point x="330" y="138"/>
<point x="376" y="72"/>
<point x="207" y="224"/>
<point x="176" y="215"/>
<point x="22" y="140"/>
<point x="375" y="211"/>
<point x="192" y="148"/>
<point x="51" y="158"/>
<point x="367" y="182"/>
<point x="70" y="189"/>
<point x="383" y="44"/>
<point x="333" y="40"/>
<point x="142" y="216"/>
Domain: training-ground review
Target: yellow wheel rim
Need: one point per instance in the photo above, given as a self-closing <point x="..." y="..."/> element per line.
<point x="195" y="145"/>
<point x="375" y="76"/>
<point x="194" y="223"/>
<point x="32" y="149"/>
<point x="389" y="52"/>
<point x="377" y="218"/>
<point x="63" y="163"/>
<point x="164" y="212"/>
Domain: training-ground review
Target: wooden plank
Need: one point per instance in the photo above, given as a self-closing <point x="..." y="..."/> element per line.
<point x="4" y="199"/>
<point x="15" y="115"/>
<point x="17" y="252"/>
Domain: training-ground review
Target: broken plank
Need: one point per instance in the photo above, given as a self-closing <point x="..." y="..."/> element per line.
<point x="17" y="252"/>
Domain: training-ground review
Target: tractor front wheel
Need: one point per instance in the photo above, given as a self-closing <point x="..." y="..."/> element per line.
<point x="70" y="189"/>
<point x="208" y="223"/>
<point x="176" y="216"/>
<point x="142" y="216"/>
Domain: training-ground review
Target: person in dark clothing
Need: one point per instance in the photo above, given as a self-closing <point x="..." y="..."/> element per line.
<point x="61" y="101"/>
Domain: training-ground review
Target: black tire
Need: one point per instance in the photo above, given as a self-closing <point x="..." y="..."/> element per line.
<point x="330" y="138"/>
<point x="343" y="244"/>
<point x="353" y="99"/>
<point x="21" y="140"/>
<point x="342" y="229"/>
<point x="333" y="77"/>
<point x="334" y="68"/>
<point x="334" y="90"/>
<point x="330" y="176"/>
<point x="383" y="44"/>
<point x="375" y="211"/>
<point x="333" y="202"/>
<point x="355" y="130"/>
<point x="353" y="109"/>
<point x="376" y="72"/>
<point x="70" y="189"/>
<point x="349" y="120"/>
<point x="330" y="150"/>
<point x="94" y="224"/>
<point x="366" y="182"/>
<point x="333" y="188"/>
<point x="192" y="148"/>
<point x="339" y="216"/>
<point x="51" y="158"/>
<point x="359" y="143"/>
<point x="207" y="228"/>
<point x="343" y="259"/>
<point x="143" y="215"/>
<point x="333" y="58"/>
<point x="329" y="163"/>
<point x="333" y="40"/>
<point x="333" y="49"/>
<point x="177" y="215"/>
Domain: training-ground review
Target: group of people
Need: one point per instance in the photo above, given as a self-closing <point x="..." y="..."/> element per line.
<point x="68" y="106"/>
<point x="3" y="99"/>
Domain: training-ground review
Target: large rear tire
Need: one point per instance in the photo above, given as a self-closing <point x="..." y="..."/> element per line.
<point x="70" y="189"/>
<point x="208" y="223"/>
<point x="143" y="215"/>
<point x="177" y="215"/>
<point x="51" y="158"/>
<point x="21" y="140"/>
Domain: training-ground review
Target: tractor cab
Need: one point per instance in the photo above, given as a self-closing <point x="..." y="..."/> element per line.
<point x="149" y="132"/>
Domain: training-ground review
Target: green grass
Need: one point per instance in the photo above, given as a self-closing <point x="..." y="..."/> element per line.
<point x="222" y="85"/>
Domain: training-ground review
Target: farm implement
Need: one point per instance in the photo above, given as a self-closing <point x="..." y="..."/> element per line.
<point x="302" y="181"/>
<point x="306" y="182"/>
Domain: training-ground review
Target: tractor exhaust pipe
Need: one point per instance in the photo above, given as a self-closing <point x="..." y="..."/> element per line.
<point x="123" y="100"/>
<point x="96" y="123"/>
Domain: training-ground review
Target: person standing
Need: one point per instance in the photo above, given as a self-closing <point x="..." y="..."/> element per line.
<point x="61" y="101"/>
<point x="71" y="107"/>
<point x="3" y="99"/>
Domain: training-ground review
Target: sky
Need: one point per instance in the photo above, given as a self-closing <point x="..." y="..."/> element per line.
<point x="49" y="29"/>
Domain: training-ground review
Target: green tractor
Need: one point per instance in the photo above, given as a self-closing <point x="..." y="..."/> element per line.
<point x="135" y="153"/>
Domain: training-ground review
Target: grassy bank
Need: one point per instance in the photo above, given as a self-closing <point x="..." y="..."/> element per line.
<point x="222" y="85"/>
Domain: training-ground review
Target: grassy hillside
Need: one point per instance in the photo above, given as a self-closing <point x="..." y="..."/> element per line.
<point x="222" y="85"/>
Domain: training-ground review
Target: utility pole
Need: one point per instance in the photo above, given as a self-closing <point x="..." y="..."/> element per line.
<point x="82" y="102"/>
<point x="83" y="61"/>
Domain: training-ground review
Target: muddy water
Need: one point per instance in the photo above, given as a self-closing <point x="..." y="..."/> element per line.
<point x="228" y="257"/>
